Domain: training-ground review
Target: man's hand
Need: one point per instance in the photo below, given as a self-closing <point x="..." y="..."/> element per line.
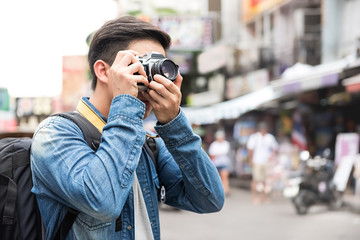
<point x="121" y="74"/>
<point x="165" y="97"/>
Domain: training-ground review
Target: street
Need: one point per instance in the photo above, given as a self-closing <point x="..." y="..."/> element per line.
<point x="240" y="219"/>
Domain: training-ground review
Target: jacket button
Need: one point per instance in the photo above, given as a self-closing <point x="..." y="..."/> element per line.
<point x="129" y="227"/>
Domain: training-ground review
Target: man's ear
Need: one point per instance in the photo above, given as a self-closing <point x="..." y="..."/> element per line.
<point x="100" y="69"/>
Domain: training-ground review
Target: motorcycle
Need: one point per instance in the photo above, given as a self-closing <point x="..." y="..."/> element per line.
<point x="313" y="184"/>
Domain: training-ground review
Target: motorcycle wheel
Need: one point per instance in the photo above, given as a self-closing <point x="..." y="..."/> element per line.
<point x="300" y="206"/>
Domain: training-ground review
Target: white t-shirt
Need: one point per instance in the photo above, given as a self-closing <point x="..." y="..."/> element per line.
<point x="143" y="229"/>
<point x="263" y="147"/>
<point x="220" y="151"/>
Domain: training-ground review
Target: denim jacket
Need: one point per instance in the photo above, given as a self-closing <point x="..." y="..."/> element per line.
<point x="68" y="173"/>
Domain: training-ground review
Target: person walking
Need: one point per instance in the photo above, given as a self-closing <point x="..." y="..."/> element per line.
<point x="262" y="148"/>
<point x="219" y="154"/>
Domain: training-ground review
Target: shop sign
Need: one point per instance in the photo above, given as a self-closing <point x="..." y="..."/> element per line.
<point x="75" y="81"/>
<point x="342" y="173"/>
<point x="236" y="86"/>
<point x="8" y="124"/>
<point x="240" y="85"/>
<point x="213" y="59"/>
<point x="352" y="84"/>
<point x="204" y="98"/>
<point x="183" y="59"/>
<point x="346" y="150"/>
<point x="251" y="8"/>
<point x="4" y="99"/>
<point x="31" y="111"/>
<point x="190" y="32"/>
<point x="347" y="144"/>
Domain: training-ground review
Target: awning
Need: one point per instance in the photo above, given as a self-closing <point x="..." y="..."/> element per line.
<point x="230" y="109"/>
<point x="301" y="77"/>
<point x="296" y="79"/>
<point x="352" y="84"/>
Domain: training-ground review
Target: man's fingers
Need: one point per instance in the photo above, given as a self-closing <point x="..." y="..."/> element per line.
<point x="138" y="68"/>
<point x="125" y="58"/>
<point x="128" y="59"/>
<point x="164" y="94"/>
<point x="140" y="79"/>
<point x="163" y="85"/>
<point x="178" y="81"/>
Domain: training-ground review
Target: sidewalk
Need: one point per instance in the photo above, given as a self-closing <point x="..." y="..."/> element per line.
<point x="351" y="202"/>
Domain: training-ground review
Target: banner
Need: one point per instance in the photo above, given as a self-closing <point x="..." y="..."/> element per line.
<point x="244" y="84"/>
<point x="251" y="8"/>
<point x="187" y="32"/>
<point x="298" y="132"/>
<point x="4" y="99"/>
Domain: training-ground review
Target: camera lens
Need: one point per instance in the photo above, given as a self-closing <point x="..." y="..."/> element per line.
<point x="166" y="68"/>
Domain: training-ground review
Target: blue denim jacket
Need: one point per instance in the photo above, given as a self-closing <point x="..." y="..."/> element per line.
<point x="66" y="172"/>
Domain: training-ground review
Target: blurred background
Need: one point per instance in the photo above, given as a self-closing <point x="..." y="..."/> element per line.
<point x="292" y="63"/>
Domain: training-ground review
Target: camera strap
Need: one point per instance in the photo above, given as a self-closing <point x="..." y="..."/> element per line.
<point x="87" y="112"/>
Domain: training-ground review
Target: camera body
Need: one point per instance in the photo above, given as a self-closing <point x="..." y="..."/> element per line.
<point x="155" y="63"/>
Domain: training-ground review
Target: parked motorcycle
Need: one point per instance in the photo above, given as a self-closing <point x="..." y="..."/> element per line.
<point x="313" y="184"/>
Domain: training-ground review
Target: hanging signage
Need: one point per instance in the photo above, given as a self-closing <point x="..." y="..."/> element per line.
<point x="240" y="85"/>
<point x="213" y="59"/>
<point x="31" y="111"/>
<point x="342" y="173"/>
<point x="352" y="84"/>
<point x="4" y="99"/>
<point x="75" y="81"/>
<point x="346" y="151"/>
<point x="33" y="106"/>
<point x="190" y="32"/>
<point x="347" y="144"/>
<point x="251" y="8"/>
<point x="185" y="60"/>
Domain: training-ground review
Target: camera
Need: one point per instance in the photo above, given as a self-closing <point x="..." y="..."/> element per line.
<point x="156" y="63"/>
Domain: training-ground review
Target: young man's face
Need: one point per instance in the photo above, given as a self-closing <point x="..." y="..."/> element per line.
<point x="143" y="47"/>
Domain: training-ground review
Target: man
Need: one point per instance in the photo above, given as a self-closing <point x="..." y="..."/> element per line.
<point x="118" y="177"/>
<point x="262" y="148"/>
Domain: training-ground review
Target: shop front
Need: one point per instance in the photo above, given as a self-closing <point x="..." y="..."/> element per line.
<point x="304" y="113"/>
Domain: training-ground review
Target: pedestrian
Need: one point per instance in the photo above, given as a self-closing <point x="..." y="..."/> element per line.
<point x="262" y="148"/>
<point x="219" y="153"/>
<point x="115" y="188"/>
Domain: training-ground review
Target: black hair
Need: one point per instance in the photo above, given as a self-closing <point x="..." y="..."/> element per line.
<point x="117" y="34"/>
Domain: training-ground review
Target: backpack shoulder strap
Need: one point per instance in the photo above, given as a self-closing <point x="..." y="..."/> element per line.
<point x="92" y="136"/>
<point x="8" y="217"/>
<point x="152" y="149"/>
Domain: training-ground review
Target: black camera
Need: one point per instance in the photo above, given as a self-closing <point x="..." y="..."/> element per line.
<point x="156" y="63"/>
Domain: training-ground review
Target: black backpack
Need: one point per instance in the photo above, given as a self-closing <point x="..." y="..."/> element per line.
<point x="19" y="214"/>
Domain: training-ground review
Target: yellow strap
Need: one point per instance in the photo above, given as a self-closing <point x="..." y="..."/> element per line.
<point x="87" y="112"/>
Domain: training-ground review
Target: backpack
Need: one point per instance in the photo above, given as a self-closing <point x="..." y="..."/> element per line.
<point x="19" y="213"/>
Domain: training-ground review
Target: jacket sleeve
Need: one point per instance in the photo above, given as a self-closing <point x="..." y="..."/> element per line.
<point x="190" y="178"/>
<point x="65" y="168"/>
